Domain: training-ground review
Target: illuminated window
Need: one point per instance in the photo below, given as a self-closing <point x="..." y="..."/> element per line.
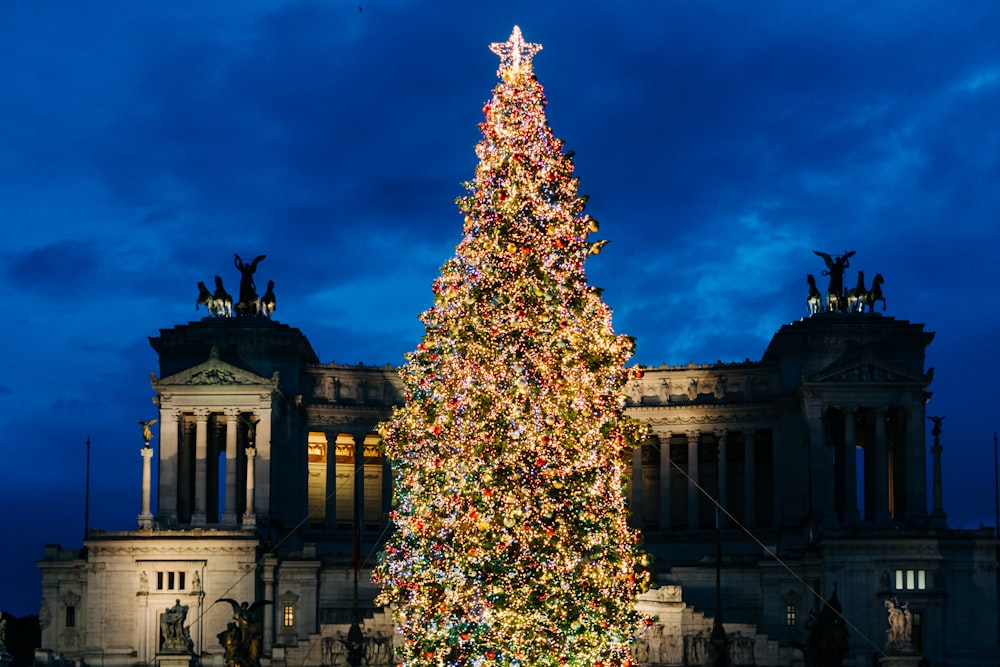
<point x="791" y="615"/>
<point x="911" y="580"/>
<point x="288" y="617"/>
<point x="70" y="616"/>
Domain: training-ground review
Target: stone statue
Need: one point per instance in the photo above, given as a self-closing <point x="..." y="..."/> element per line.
<point x="247" y="304"/>
<point x="835" y="269"/>
<point x="147" y="432"/>
<point x="815" y="300"/>
<point x="900" y="626"/>
<point x="243" y="635"/>
<point x="174" y="636"/>
<point x="223" y="302"/>
<point x="827" y="644"/>
<point x="267" y="302"/>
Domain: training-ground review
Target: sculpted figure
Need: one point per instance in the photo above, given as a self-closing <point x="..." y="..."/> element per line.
<point x="223" y="301"/>
<point x="147" y="432"/>
<point x="900" y="628"/>
<point x="815" y="300"/>
<point x="243" y="635"/>
<point x="835" y="269"/>
<point x="936" y="431"/>
<point x="874" y="294"/>
<point x="267" y="301"/>
<point x="175" y="636"/>
<point x="247" y="304"/>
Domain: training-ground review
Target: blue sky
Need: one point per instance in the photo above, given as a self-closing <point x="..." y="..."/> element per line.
<point x="142" y="144"/>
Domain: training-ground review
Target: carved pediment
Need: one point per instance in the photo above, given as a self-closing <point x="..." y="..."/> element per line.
<point x="867" y="371"/>
<point x="215" y="372"/>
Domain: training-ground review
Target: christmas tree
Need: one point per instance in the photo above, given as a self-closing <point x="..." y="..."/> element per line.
<point x="510" y="455"/>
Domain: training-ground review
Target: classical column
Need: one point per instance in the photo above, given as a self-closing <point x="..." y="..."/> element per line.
<point x="665" y="481"/>
<point x="820" y="469"/>
<point x="850" y="472"/>
<point x="268" y="565"/>
<point x="916" y="463"/>
<point x="881" y="467"/>
<point x="720" y="436"/>
<point x="166" y="498"/>
<point x="693" y="518"/>
<point x="359" y="481"/>
<point x="750" y="479"/>
<point x="199" y="516"/>
<point x="146" y="517"/>
<point x="635" y="508"/>
<point x="331" y="480"/>
<point x="232" y="429"/>
<point x="262" y="445"/>
<point x="250" y="516"/>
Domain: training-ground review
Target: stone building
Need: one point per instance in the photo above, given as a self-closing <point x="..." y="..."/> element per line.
<point x="271" y="486"/>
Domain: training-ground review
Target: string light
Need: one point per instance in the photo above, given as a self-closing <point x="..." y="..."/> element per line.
<point x="511" y="452"/>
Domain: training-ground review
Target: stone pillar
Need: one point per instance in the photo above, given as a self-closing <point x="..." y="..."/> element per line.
<point x="881" y="467"/>
<point x="250" y="515"/>
<point x="820" y="469"/>
<point x="851" y="514"/>
<point x="145" y="516"/>
<point x="635" y="508"/>
<point x="166" y="498"/>
<point x="916" y="464"/>
<point x="693" y="519"/>
<point x="262" y="469"/>
<point x="359" y="481"/>
<point x="750" y="484"/>
<point x="232" y="429"/>
<point x="268" y="565"/>
<point x="199" y="517"/>
<point x="720" y="436"/>
<point x="331" y="480"/>
<point x="665" y="481"/>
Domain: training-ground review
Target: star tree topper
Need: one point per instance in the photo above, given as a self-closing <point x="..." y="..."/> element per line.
<point x="515" y="53"/>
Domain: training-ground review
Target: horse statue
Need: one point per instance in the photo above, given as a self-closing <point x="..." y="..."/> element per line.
<point x="815" y="299"/>
<point x="267" y="301"/>
<point x="223" y="300"/>
<point x="856" y="295"/>
<point x="205" y="298"/>
<point x="873" y="295"/>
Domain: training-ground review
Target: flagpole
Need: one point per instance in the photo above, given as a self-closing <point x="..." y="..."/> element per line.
<point x="86" y="499"/>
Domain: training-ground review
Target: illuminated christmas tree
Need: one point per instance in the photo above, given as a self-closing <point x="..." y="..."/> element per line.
<point x="510" y="455"/>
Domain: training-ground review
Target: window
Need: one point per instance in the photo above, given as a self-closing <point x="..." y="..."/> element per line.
<point x="288" y="616"/>
<point x="791" y="615"/>
<point x="911" y="580"/>
<point x="170" y="581"/>
<point x="70" y="616"/>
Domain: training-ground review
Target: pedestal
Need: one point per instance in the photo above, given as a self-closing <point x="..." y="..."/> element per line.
<point x="175" y="659"/>
<point x="900" y="660"/>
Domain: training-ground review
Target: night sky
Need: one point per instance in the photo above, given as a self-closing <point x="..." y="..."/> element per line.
<point x="721" y="143"/>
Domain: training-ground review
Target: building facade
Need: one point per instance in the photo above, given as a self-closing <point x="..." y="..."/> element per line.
<point x="809" y="467"/>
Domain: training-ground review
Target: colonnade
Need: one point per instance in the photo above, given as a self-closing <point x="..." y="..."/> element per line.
<point x="349" y="478"/>
<point x="189" y="475"/>
<point x="672" y="473"/>
<point x="867" y="462"/>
